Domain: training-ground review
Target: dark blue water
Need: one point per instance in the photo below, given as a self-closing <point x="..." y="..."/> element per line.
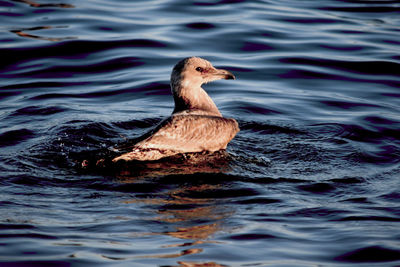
<point x="312" y="179"/>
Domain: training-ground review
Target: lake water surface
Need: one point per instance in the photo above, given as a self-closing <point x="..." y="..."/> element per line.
<point x="312" y="178"/>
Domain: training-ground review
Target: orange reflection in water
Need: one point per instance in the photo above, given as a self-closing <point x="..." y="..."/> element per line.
<point x="34" y="4"/>
<point x="186" y="221"/>
<point x="174" y="255"/>
<point x="190" y="163"/>
<point x="197" y="264"/>
<point x="199" y="233"/>
<point x="23" y="33"/>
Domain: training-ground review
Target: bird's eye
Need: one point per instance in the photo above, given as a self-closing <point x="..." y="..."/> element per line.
<point x="199" y="69"/>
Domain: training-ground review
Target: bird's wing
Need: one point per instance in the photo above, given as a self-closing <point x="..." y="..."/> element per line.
<point x="191" y="133"/>
<point x="183" y="134"/>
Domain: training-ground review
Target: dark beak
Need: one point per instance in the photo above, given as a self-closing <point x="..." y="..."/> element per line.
<point x="227" y="75"/>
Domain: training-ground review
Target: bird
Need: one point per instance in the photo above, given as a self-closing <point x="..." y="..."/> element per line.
<point x="195" y="125"/>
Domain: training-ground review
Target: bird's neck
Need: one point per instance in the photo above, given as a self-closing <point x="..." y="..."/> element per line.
<point x="193" y="98"/>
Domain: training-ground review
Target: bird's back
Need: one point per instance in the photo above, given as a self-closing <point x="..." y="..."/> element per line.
<point x="182" y="134"/>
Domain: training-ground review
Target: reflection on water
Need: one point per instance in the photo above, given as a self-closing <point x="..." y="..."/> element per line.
<point x="196" y="264"/>
<point x="39" y="5"/>
<point x="181" y="164"/>
<point x="194" y="220"/>
<point x="23" y="33"/>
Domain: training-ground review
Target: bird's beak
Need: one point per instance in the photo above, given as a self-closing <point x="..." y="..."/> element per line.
<point x="225" y="74"/>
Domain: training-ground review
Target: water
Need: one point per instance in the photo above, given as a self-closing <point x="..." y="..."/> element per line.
<point x="311" y="179"/>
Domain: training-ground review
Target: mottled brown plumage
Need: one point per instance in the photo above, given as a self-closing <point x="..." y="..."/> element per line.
<point x="196" y="125"/>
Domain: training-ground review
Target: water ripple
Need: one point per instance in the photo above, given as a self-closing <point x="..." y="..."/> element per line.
<point x="311" y="178"/>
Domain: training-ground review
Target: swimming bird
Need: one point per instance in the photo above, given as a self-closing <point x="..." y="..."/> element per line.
<point x="195" y="125"/>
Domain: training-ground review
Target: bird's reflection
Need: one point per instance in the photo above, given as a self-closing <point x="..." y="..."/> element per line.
<point x="197" y="264"/>
<point x="191" y="215"/>
<point x="190" y="163"/>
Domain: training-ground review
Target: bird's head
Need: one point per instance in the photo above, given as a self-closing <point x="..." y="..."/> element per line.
<point x="195" y="71"/>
